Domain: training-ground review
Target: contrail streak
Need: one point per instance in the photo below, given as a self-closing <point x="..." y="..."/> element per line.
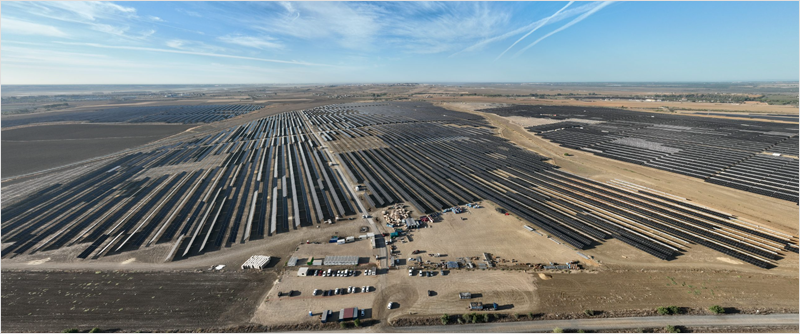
<point x="534" y="29"/>
<point x="192" y="53"/>
<point x="568" y="13"/>
<point x="576" y="20"/>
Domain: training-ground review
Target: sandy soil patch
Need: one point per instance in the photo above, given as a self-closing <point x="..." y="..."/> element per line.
<point x="38" y="262"/>
<point x="545" y="276"/>
<point x="131" y="260"/>
<point x="533" y="121"/>
<point x="244" y="99"/>
<point x="728" y="260"/>
<point x="530" y="121"/>
<point x="637" y="105"/>
<point x="280" y="100"/>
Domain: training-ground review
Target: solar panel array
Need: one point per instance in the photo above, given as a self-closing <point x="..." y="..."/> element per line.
<point x="271" y="176"/>
<point x="257" y="180"/>
<point x="716" y="150"/>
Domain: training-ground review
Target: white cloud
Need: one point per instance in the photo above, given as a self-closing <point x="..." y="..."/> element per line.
<point x="156" y="18"/>
<point x="253" y="42"/>
<point x="109" y="29"/>
<point x="206" y="54"/>
<point x="14" y="26"/>
<point x="196" y="46"/>
<point x="93" y="10"/>
<point x="176" y="43"/>
<point x="189" y="12"/>
<point x="104" y="17"/>
<point x="351" y="25"/>
<point x="416" y="27"/>
<point x="446" y="26"/>
<point x="147" y="34"/>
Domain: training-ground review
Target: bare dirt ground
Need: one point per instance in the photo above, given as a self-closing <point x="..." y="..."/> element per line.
<point x="647" y="289"/>
<point x="37" y="148"/>
<point x="513" y="291"/>
<point x="128" y="301"/>
<point x="775" y="213"/>
<point x="483" y="231"/>
<point x="634" y="105"/>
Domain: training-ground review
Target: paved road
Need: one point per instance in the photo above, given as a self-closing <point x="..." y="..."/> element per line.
<point x="610" y="323"/>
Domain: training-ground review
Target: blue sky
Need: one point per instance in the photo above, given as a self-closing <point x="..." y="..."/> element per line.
<point x="349" y="42"/>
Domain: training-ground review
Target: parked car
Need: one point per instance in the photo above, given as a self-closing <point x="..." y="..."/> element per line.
<point x="316" y="292"/>
<point x="389" y="306"/>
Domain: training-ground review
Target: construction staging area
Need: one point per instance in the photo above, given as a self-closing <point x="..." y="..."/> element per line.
<point x="358" y="186"/>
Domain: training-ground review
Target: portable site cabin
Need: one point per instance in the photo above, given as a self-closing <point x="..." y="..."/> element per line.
<point x="323" y="318"/>
<point x="373" y="243"/>
<point x="341" y="242"/>
<point x="464" y="295"/>
<point x="348" y="314"/>
<point x="341" y="260"/>
<point x="302" y="272"/>
<point x="476" y="306"/>
<point x="350" y="239"/>
<point x="452" y="265"/>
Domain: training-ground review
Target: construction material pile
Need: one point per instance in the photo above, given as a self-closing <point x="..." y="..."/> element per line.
<point x="397" y="215"/>
<point x="256" y="262"/>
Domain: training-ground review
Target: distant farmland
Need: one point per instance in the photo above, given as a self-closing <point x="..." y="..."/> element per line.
<point x="31" y="149"/>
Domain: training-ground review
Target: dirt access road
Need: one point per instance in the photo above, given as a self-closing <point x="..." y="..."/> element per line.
<point x="737" y="320"/>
